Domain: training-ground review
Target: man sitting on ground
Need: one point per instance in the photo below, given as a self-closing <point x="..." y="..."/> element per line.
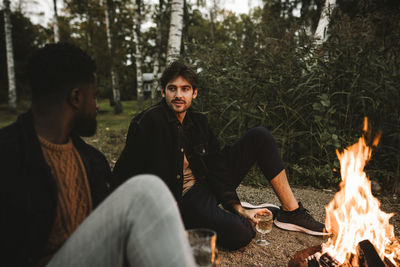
<point x="54" y="186"/>
<point x="175" y="142"/>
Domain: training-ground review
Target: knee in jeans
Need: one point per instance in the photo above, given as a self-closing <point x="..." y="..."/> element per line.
<point x="240" y="236"/>
<point x="144" y="180"/>
<point x="261" y="134"/>
<point x="145" y="184"/>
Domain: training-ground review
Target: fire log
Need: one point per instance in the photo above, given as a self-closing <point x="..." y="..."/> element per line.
<point x="300" y="258"/>
<point x="367" y="255"/>
<point x="327" y="260"/>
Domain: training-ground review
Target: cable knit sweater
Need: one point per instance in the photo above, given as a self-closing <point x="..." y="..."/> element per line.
<point x="74" y="200"/>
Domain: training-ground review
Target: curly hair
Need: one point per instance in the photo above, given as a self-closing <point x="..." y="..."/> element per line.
<point x="57" y="68"/>
<point x="176" y="69"/>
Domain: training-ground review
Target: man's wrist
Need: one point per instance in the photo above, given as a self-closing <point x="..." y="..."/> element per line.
<point x="238" y="208"/>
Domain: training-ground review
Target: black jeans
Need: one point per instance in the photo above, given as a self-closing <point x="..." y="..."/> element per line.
<point x="200" y="207"/>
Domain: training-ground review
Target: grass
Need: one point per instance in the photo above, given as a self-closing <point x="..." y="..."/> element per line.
<point x="112" y="129"/>
<point x="7" y="117"/>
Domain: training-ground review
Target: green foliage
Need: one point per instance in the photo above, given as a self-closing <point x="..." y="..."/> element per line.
<point x="312" y="99"/>
<point x="26" y="37"/>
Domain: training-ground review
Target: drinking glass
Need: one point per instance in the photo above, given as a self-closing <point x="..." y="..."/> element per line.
<point x="264" y="226"/>
<point x="203" y="244"/>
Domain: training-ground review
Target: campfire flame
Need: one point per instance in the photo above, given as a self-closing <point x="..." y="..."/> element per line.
<point x="353" y="215"/>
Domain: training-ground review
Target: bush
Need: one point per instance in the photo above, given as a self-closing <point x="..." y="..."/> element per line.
<point x="312" y="99"/>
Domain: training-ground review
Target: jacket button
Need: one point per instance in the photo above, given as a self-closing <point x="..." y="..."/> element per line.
<point x="182" y="150"/>
<point x="178" y="176"/>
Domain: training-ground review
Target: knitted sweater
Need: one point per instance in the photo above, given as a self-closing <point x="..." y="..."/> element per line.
<point x="74" y="200"/>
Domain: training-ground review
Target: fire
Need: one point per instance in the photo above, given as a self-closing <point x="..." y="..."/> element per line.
<point x="353" y="215"/>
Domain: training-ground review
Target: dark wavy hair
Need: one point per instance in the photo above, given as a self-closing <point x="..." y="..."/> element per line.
<point x="57" y="68"/>
<point x="176" y="69"/>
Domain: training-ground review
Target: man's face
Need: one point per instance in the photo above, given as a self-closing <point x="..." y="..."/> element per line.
<point x="179" y="94"/>
<point x="86" y="124"/>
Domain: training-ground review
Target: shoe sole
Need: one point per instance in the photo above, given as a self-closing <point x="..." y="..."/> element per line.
<point x="297" y="228"/>
<point x="261" y="206"/>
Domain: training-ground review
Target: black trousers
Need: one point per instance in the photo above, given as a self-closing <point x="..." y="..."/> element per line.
<point x="200" y="207"/>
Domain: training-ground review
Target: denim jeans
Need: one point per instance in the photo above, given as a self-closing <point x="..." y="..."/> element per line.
<point x="137" y="225"/>
<point x="200" y="206"/>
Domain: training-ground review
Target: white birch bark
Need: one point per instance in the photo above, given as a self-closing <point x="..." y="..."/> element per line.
<point x="175" y="31"/>
<point x="156" y="66"/>
<point x="56" y="27"/>
<point x="154" y="84"/>
<point x="138" y="56"/>
<point x="321" y="34"/>
<point x="12" y="91"/>
<point x="114" y="74"/>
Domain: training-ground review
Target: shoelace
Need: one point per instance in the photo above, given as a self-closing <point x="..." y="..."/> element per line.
<point x="308" y="216"/>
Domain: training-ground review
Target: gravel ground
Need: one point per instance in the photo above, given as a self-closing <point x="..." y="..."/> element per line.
<point x="285" y="244"/>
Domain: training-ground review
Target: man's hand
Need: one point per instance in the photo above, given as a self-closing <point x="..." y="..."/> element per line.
<point x="250" y="214"/>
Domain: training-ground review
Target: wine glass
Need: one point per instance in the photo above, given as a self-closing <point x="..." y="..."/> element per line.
<point x="203" y="244"/>
<point x="264" y="226"/>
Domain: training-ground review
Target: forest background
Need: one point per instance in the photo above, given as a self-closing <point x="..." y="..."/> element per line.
<point x="261" y="68"/>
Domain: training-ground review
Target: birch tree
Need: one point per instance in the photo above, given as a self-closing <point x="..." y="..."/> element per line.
<point x="213" y="10"/>
<point x="12" y="91"/>
<point x="175" y="31"/>
<point x="157" y="54"/>
<point x="138" y="56"/>
<point x="56" y="26"/>
<point x="114" y="74"/>
<point x="323" y="23"/>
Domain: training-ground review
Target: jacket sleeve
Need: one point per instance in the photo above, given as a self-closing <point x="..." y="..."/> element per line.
<point x="131" y="160"/>
<point x="218" y="176"/>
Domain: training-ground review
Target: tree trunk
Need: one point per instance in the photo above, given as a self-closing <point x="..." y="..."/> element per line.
<point x="306" y="8"/>
<point x="114" y="74"/>
<point x="138" y="57"/>
<point x="89" y="28"/>
<point x="56" y="28"/>
<point x="321" y="34"/>
<point x="154" y="85"/>
<point x="156" y="66"/>
<point x="175" y="31"/>
<point x="213" y="11"/>
<point x="212" y="25"/>
<point x="12" y="91"/>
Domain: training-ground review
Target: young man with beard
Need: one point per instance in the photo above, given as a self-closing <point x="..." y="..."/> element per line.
<point x="56" y="207"/>
<point x="175" y="142"/>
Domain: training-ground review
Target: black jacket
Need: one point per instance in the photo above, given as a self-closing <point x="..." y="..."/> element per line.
<point x="156" y="142"/>
<point x="28" y="191"/>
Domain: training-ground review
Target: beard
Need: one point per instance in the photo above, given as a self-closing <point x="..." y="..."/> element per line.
<point x="183" y="110"/>
<point x="85" y="126"/>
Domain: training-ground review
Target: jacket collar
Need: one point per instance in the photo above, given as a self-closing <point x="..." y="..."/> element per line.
<point x="170" y="114"/>
<point x="25" y="122"/>
<point x="28" y="133"/>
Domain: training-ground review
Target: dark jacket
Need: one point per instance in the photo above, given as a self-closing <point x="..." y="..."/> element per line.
<point x="28" y="191"/>
<point x="156" y="143"/>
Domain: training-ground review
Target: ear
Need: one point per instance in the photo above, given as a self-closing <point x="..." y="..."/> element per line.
<point x="194" y="93"/>
<point x="75" y="97"/>
<point x="163" y="92"/>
